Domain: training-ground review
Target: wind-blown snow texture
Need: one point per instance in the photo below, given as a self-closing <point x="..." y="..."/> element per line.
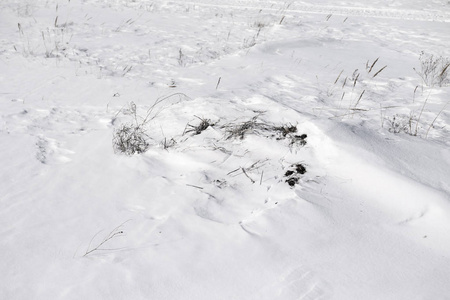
<point x="212" y="216"/>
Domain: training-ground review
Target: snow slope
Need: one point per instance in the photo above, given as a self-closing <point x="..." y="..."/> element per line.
<point x="210" y="215"/>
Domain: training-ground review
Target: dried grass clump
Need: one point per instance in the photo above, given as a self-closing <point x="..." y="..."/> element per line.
<point x="130" y="139"/>
<point x="434" y="70"/>
<point x="204" y="124"/>
<point x="241" y="129"/>
<point x="255" y="126"/>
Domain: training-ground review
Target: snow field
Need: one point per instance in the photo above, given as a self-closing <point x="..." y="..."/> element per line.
<point x="211" y="216"/>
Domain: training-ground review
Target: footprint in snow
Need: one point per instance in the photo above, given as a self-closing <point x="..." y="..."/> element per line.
<point x="49" y="151"/>
<point x="302" y="283"/>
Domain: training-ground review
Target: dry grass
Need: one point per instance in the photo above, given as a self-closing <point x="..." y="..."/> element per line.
<point x="197" y="129"/>
<point x="433" y="70"/>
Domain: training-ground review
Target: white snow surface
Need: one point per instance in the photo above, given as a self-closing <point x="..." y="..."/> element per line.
<point x="209" y="215"/>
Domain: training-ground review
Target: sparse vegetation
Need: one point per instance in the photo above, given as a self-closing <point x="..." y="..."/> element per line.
<point x="437" y="116"/>
<point x="353" y="88"/>
<point x="131" y="137"/>
<point x="241" y="129"/>
<point x="247" y="170"/>
<point x="115" y="233"/>
<point x="256" y="126"/>
<point x="433" y="70"/>
<point x="197" y="129"/>
<point x="55" y="37"/>
<point x="401" y="123"/>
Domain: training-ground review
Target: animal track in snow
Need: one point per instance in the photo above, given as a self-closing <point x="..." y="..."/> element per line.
<point x="297" y="8"/>
<point x="301" y="283"/>
<point x="49" y="151"/>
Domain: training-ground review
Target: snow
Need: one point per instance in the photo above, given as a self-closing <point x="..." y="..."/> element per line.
<point x="211" y="215"/>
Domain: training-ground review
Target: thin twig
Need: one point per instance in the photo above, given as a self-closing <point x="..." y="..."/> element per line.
<point x="194" y="186"/>
<point x="371" y="67"/>
<point x="437" y="116"/>
<point x="229" y="173"/>
<point x="338" y="77"/>
<point x="218" y="82"/>
<point x="421" y="111"/>
<point x="110" y="236"/>
<point x="158" y="101"/>
<point x="355" y="81"/>
<point x="379" y="71"/>
<point x="414" y="95"/>
<point x="245" y="173"/>
<point x="359" y="99"/>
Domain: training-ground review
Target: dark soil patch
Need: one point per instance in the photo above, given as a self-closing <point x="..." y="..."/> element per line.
<point x="298" y="140"/>
<point x="286" y="129"/>
<point x="293" y="174"/>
